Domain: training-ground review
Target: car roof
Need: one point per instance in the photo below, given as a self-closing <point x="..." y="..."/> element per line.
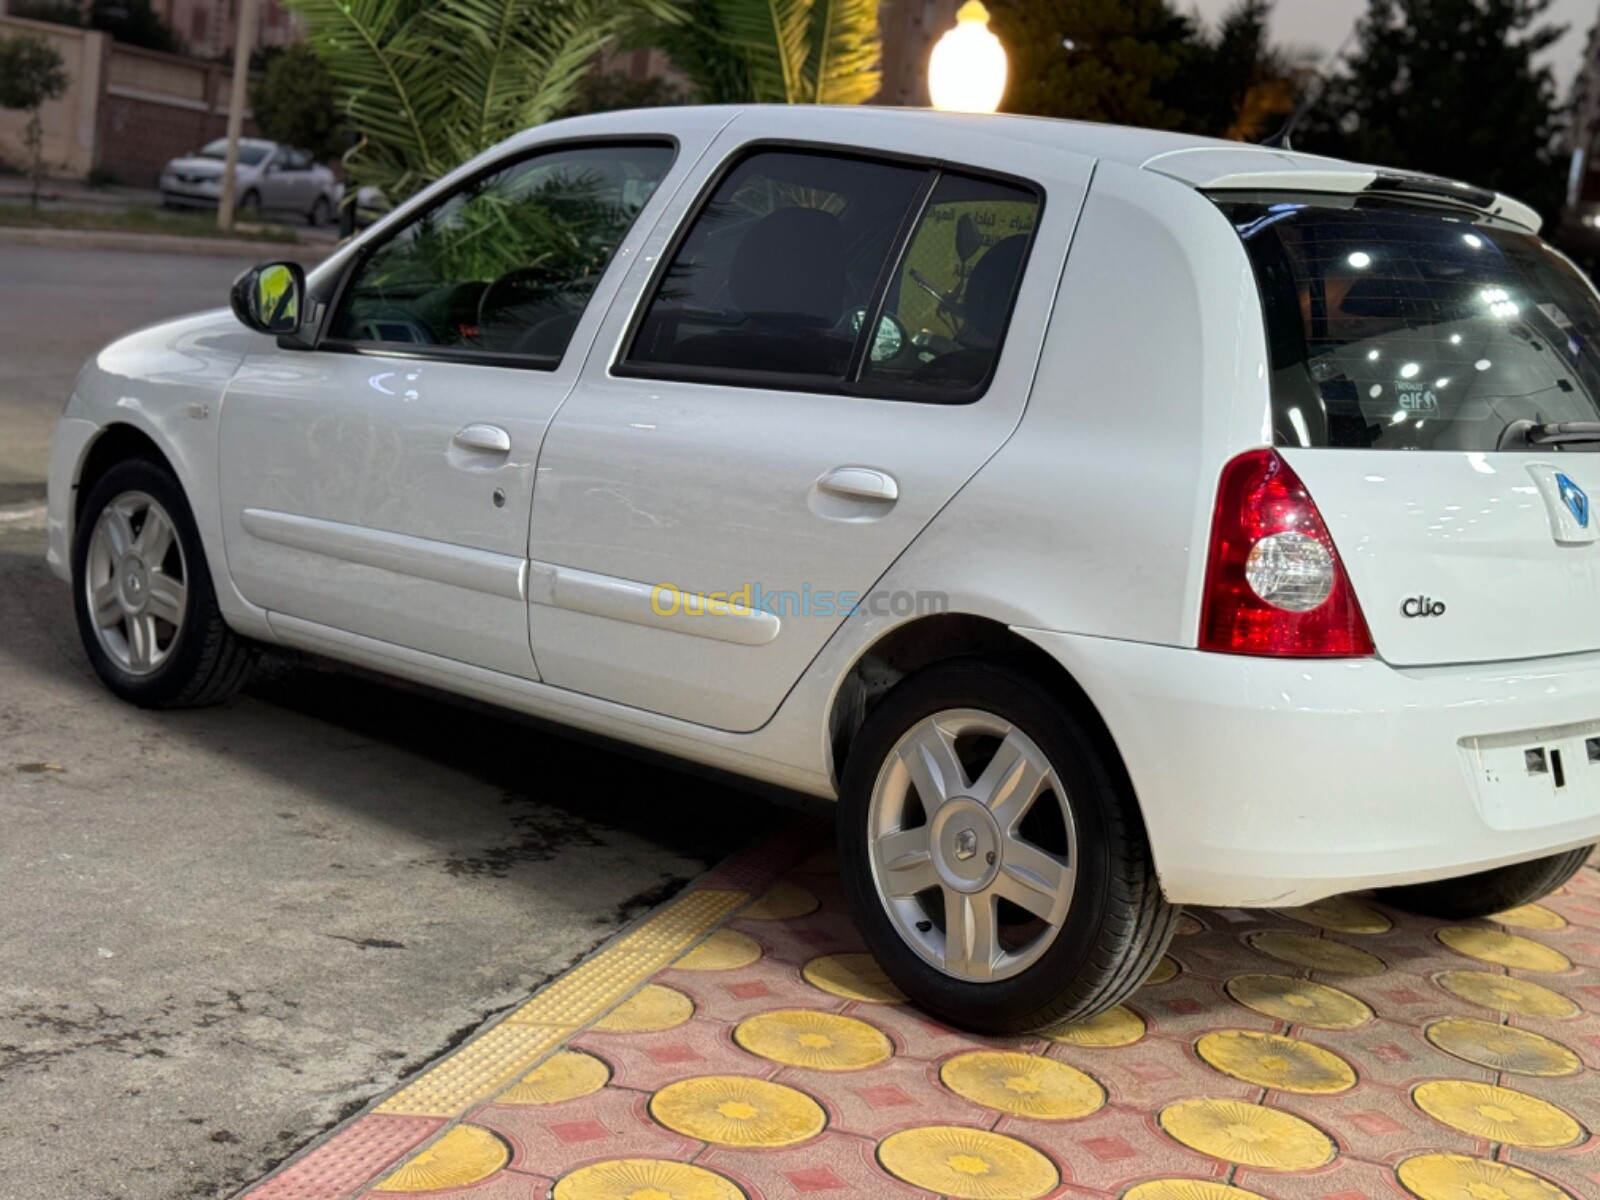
<point x="1210" y="164"/>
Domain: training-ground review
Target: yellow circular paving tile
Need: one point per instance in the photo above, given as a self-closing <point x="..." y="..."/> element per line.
<point x="1117" y="1026"/>
<point x="1504" y="949"/>
<point x="1164" y="971"/>
<point x="971" y="1163"/>
<point x="1502" y="1048"/>
<point x="784" y="902"/>
<point x="822" y="1041"/>
<point x="563" y="1076"/>
<point x="1317" y="953"/>
<point x="644" y="1179"/>
<point x="1496" y="1113"/>
<point x="732" y="1110"/>
<point x="1530" y="916"/>
<point x="1298" y="1001"/>
<point x="1025" y="1085"/>
<point x="465" y="1155"/>
<point x="1188" y="1189"/>
<point x="852" y="977"/>
<point x="652" y="1008"/>
<point x="1248" y="1134"/>
<point x="1270" y="1061"/>
<point x="724" y="950"/>
<point x="1457" y="1177"/>
<point x="1502" y="992"/>
<point x="1341" y="915"/>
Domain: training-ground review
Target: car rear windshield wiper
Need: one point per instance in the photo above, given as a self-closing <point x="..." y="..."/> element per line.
<point x="1519" y="435"/>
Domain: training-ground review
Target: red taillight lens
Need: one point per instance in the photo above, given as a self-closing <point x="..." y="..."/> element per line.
<point x="1274" y="582"/>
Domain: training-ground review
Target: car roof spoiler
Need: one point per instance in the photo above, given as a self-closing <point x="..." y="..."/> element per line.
<point x="1258" y="169"/>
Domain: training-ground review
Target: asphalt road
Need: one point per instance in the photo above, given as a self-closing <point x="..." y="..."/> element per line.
<point x="225" y="929"/>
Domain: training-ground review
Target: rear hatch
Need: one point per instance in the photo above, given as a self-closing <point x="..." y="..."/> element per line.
<point x="1420" y="355"/>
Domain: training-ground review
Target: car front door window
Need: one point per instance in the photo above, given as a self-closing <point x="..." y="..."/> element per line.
<point x="504" y="266"/>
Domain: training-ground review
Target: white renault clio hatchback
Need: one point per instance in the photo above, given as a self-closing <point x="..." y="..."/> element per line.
<point x="1110" y="520"/>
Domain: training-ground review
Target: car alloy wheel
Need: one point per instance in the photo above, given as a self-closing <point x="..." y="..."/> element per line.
<point x="972" y="845"/>
<point x="136" y="583"/>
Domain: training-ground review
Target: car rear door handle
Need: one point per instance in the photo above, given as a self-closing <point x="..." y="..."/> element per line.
<point x="489" y="438"/>
<point x="860" y="483"/>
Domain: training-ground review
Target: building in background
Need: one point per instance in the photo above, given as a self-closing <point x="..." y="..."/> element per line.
<point x="209" y="27"/>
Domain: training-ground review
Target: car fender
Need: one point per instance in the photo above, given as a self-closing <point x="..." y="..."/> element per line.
<point x="167" y="382"/>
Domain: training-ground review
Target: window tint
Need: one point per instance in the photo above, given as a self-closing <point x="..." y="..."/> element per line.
<point x="779" y="267"/>
<point x="953" y="291"/>
<point x="505" y="265"/>
<point x="1405" y="328"/>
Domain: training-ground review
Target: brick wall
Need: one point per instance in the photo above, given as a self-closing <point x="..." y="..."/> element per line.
<point x="156" y="107"/>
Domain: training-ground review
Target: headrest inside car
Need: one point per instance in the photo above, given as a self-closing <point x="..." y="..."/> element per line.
<point x="789" y="271"/>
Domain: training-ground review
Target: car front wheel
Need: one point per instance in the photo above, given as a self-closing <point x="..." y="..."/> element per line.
<point x="146" y="609"/>
<point x="994" y="856"/>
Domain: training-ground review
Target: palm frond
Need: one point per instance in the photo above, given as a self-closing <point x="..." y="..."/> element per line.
<point x="843" y="55"/>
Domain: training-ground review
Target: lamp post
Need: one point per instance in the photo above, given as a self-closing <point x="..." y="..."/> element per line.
<point x="967" y="71"/>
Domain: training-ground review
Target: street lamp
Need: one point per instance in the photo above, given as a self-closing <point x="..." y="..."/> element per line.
<point x="967" y="72"/>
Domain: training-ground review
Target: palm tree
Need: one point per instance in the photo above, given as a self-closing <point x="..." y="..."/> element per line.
<point x="775" y="51"/>
<point x="431" y="83"/>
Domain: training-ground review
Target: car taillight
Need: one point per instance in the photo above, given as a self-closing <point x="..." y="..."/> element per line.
<point x="1274" y="582"/>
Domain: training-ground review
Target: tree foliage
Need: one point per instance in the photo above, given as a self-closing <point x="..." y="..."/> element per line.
<point x="428" y="84"/>
<point x="775" y="51"/>
<point x="295" y="102"/>
<point x="1449" y="86"/>
<point x="1142" y="62"/>
<point x="31" y="72"/>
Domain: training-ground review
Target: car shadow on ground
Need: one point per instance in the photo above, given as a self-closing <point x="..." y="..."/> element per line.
<point x="554" y="789"/>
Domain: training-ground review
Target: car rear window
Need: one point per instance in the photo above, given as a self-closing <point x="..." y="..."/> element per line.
<point x="1402" y="327"/>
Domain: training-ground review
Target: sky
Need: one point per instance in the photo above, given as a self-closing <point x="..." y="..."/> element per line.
<point x="1323" y="25"/>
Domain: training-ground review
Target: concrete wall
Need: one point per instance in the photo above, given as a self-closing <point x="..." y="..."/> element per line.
<point x="125" y="110"/>
<point x="70" y="122"/>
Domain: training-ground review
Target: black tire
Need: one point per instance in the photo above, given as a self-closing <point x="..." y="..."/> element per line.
<point x="320" y="211"/>
<point x="250" y="204"/>
<point x="1488" y="892"/>
<point x="1118" y="924"/>
<point x="207" y="662"/>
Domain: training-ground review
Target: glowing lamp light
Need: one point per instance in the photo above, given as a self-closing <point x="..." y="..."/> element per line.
<point x="967" y="72"/>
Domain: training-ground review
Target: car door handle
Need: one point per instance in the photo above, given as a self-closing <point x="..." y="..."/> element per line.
<point x="489" y="438"/>
<point x="860" y="483"/>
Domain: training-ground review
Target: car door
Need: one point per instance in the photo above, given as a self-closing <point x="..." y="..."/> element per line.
<point x="741" y="461"/>
<point x="381" y="483"/>
<point x="276" y="185"/>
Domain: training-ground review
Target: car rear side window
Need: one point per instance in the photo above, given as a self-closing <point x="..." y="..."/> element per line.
<point x="797" y="253"/>
<point x="505" y="266"/>
<point x="1395" y="326"/>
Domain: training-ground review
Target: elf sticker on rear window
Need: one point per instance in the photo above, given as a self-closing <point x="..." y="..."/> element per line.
<point x="1416" y="399"/>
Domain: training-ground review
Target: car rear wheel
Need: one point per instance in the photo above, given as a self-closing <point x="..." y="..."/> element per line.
<point x="1488" y="892"/>
<point x="993" y="856"/>
<point x="146" y="610"/>
<point x="320" y="211"/>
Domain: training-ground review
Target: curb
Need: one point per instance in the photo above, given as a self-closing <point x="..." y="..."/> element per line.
<point x="162" y="243"/>
<point x="360" y="1151"/>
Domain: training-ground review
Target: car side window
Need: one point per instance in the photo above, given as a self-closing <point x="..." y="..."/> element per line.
<point x="774" y="275"/>
<point x="296" y="160"/>
<point x="505" y="265"/>
<point x="951" y="297"/>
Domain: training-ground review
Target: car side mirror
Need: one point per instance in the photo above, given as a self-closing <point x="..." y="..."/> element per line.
<point x="270" y="298"/>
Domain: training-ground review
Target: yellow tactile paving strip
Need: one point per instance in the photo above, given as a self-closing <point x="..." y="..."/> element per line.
<point x="739" y="1045"/>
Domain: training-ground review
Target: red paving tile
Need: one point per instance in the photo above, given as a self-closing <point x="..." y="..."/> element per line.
<point x="1374" y="1125"/>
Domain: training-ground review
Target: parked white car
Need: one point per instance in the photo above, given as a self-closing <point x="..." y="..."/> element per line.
<point x="1111" y="520"/>
<point x="270" y="178"/>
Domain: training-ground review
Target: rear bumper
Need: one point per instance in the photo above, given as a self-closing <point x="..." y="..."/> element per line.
<point x="1276" y="782"/>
